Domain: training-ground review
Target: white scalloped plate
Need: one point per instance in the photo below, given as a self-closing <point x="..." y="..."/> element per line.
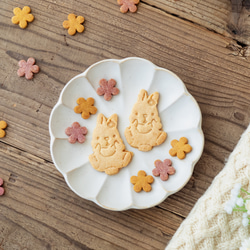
<point x="180" y="116"/>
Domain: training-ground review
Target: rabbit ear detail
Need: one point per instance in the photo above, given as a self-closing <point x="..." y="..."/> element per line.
<point x="143" y="95"/>
<point x="101" y="119"/>
<point x="153" y="98"/>
<point x="112" y="121"/>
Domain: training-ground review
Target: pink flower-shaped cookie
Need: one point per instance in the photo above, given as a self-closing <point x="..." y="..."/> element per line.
<point x="76" y="133"/>
<point x="1" y="188"/>
<point x="163" y="169"/>
<point x="128" y="5"/>
<point x="28" y="68"/>
<point x="107" y="88"/>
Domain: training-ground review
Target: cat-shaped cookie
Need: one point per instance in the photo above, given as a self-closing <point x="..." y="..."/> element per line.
<point x="109" y="150"/>
<point x="145" y="130"/>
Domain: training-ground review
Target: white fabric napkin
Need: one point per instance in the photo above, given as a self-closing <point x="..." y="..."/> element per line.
<point x="208" y="226"/>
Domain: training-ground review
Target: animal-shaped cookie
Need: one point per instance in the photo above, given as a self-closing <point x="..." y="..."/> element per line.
<point x="145" y="130"/>
<point x="109" y="150"/>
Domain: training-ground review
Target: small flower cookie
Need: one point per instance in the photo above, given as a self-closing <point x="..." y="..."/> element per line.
<point x="163" y="169"/>
<point x="3" y="125"/>
<point x="73" y="24"/>
<point x="107" y="88"/>
<point x="76" y="133"/>
<point x="85" y="107"/>
<point x="128" y="5"/>
<point x="28" y="68"/>
<point x="22" y="16"/>
<point x="142" y="181"/>
<point x="1" y="188"/>
<point x="180" y="148"/>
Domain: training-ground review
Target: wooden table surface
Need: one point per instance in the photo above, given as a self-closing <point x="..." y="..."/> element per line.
<point x="204" y="42"/>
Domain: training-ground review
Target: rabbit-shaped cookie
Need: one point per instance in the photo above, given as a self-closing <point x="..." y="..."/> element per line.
<point x="109" y="150"/>
<point x="145" y="130"/>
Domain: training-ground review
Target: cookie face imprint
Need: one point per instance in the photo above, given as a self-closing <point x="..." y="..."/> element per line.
<point x="145" y="130"/>
<point x="109" y="150"/>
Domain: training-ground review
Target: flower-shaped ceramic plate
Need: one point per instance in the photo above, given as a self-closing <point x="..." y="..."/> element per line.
<point x="180" y="116"/>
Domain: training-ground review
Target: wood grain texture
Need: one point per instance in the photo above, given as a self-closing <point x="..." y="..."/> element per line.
<point x="38" y="208"/>
<point x="229" y="18"/>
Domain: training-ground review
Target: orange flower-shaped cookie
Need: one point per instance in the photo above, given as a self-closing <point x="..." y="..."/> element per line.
<point x="73" y="24"/>
<point x="85" y="107"/>
<point x="142" y="181"/>
<point x="180" y="148"/>
<point x="22" y="16"/>
<point x="128" y="5"/>
<point x="3" y="125"/>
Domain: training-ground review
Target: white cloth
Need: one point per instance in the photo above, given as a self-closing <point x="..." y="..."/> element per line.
<point x="208" y="226"/>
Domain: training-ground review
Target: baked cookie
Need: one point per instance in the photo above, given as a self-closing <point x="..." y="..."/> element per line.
<point x="180" y="148"/>
<point x="74" y="24"/>
<point x="22" y="16"/>
<point x="3" y="125"/>
<point x="145" y="130"/>
<point x="107" y="88"/>
<point x="163" y="169"/>
<point x="85" y="107"/>
<point x="109" y="150"/>
<point x="142" y="181"/>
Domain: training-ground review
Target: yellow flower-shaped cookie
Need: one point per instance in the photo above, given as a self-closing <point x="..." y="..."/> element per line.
<point x="142" y="181"/>
<point x="180" y="148"/>
<point x="73" y="24"/>
<point x="22" y="16"/>
<point x="3" y="125"/>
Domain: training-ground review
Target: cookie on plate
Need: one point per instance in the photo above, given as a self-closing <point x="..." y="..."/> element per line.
<point x="145" y="130"/>
<point x="109" y="150"/>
